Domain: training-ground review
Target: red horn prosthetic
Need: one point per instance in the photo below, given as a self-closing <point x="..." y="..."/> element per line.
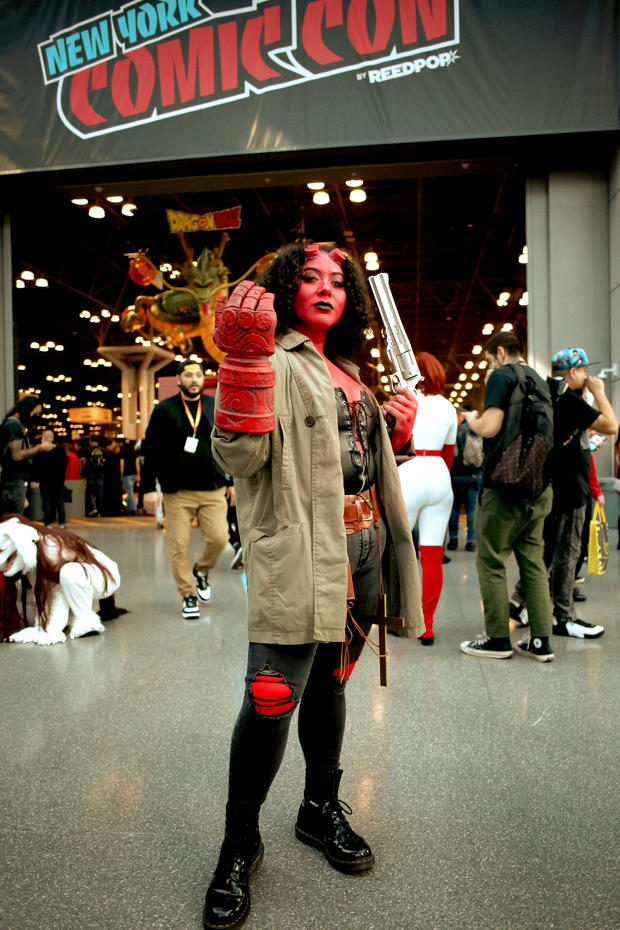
<point x="337" y="255"/>
<point x="244" y="328"/>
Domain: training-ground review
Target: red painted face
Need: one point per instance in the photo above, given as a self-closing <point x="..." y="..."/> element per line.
<point x="321" y="297"/>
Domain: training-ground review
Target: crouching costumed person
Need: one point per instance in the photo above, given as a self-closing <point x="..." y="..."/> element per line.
<point x="305" y="442"/>
<point x="66" y="575"/>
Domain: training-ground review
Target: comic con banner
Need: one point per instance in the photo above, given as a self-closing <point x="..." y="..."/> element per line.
<point x="87" y="82"/>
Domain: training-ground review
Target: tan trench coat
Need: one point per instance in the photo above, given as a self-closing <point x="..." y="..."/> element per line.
<point x="290" y="501"/>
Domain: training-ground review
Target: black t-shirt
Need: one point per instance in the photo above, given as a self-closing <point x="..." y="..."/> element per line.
<point x="196" y="472"/>
<point x="571" y="449"/>
<point x="10" y="431"/>
<point x="500" y="386"/>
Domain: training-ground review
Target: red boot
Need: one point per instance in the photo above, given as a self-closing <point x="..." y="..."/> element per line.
<point x="431" y="561"/>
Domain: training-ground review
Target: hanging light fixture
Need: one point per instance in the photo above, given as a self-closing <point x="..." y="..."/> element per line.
<point x="114" y="198"/>
<point x="79" y="201"/>
<point x="315" y="185"/>
<point x="487" y="329"/>
<point x="354" y="182"/>
<point x="96" y="212"/>
<point x="320" y="198"/>
<point x="128" y="209"/>
<point x="357" y="195"/>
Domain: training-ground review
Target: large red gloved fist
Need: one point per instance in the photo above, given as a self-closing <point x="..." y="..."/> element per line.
<point x="244" y="328"/>
<point x="402" y="408"/>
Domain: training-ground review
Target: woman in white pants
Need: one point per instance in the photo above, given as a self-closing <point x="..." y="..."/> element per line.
<point x="426" y="484"/>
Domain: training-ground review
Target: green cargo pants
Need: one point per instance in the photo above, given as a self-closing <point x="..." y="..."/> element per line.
<point x="503" y="527"/>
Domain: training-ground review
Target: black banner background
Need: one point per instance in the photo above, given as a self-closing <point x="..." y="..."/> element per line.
<point x="526" y="68"/>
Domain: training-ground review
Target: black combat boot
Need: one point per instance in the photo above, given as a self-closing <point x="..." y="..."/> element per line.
<point x="228" y="897"/>
<point x="321" y="823"/>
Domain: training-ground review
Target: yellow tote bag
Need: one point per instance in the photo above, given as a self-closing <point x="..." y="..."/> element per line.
<point x="598" y="545"/>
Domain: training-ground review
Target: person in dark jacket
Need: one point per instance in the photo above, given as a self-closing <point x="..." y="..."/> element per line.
<point x="177" y="451"/>
<point x="50" y="468"/>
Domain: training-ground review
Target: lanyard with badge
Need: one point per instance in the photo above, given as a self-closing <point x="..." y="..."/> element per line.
<point x="191" y="443"/>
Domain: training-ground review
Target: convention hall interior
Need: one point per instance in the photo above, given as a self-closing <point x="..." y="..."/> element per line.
<point x="485" y="788"/>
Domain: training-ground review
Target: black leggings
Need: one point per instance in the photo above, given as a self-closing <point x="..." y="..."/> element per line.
<point x="311" y="675"/>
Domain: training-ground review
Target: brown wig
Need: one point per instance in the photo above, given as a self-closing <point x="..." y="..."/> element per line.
<point x="282" y="277"/>
<point x="48" y="571"/>
<point x="433" y="372"/>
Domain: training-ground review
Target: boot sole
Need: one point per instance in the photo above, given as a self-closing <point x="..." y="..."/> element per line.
<point x="341" y="865"/>
<point x="243" y="914"/>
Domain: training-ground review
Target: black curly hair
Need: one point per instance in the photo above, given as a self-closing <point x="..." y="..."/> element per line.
<point x="282" y="279"/>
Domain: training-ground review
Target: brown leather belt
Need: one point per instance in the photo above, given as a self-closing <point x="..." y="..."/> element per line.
<point x="361" y="510"/>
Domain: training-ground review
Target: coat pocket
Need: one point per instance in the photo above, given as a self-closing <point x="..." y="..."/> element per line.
<point x="278" y="570"/>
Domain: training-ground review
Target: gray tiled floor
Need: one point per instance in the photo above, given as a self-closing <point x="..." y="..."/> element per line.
<point x="488" y="790"/>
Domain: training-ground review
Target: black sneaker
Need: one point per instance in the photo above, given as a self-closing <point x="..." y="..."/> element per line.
<point x="237" y="559"/>
<point x="470" y="547"/>
<point x="536" y="648"/>
<point x="578" y="629"/>
<point x="452" y="544"/>
<point x="489" y="648"/>
<point x="191" y="610"/>
<point x="203" y="588"/>
<point x="518" y="613"/>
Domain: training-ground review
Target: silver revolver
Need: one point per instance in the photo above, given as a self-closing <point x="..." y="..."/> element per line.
<point x="406" y="372"/>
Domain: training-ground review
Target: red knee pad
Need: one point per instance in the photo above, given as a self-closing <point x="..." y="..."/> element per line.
<point x="271" y="694"/>
<point x="344" y="672"/>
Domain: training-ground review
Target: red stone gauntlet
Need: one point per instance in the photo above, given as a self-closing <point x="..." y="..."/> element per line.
<point x="244" y="328"/>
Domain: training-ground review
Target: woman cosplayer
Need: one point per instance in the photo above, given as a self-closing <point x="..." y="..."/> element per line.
<point x="306" y="442"/>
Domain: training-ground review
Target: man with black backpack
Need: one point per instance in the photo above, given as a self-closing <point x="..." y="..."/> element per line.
<point x="517" y="424"/>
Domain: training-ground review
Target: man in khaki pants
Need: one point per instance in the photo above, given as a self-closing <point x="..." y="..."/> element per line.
<point x="177" y="450"/>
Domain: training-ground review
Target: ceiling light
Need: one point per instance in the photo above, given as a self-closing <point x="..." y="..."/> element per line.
<point x="380" y="367"/>
<point x="79" y="201"/>
<point x="507" y="328"/>
<point x="369" y="333"/>
<point x="59" y="348"/>
<point x="20" y="283"/>
<point x="469" y="364"/>
<point x="320" y="198"/>
<point x="96" y="212"/>
<point x="41" y="282"/>
<point x="357" y="195"/>
<point x="524" y="299"/>
<point x="469" y="385"/>
<point x="50" y="343"/>
<point x="34" y="345"/>
<point x="462" y="377"/>
<point x="384" y="379"/>
<point x="376" y="353"/>
<point x="115" y="198"/>
<point x="128" y="209"/>
<point x="316" y="185"/>
<point x="115" y="318"/>
<point x="370" y="256"/>
<point x="87" y="361"/>
<point x="43" y="349"/>
<point x="372" y="266"/>
<point x="475" y="376"/>
<point x="21" y="368"/>
<point x="27" y="275"/>
<point x="354" y="182"/>
<point x="483" y="364"/>
<point x="487" y="329"/>
<point x="523" y="257"/>
<point x="476" y="350"/>
<point x="105" y="312"/>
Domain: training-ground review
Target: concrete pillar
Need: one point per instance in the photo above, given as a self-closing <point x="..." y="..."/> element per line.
<point x="138" y="365"/>
<point x="569" y="237"/>
<point x="614" y="277"/>
<point x="7" y="348"/>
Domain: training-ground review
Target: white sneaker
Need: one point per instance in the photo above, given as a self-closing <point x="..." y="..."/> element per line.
<point x="580" y="629"/>
<point x="203" y="588"/>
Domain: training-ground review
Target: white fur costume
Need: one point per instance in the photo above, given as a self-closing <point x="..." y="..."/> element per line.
<point x="71" y="600"/>
<point x="425" y="480"/>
